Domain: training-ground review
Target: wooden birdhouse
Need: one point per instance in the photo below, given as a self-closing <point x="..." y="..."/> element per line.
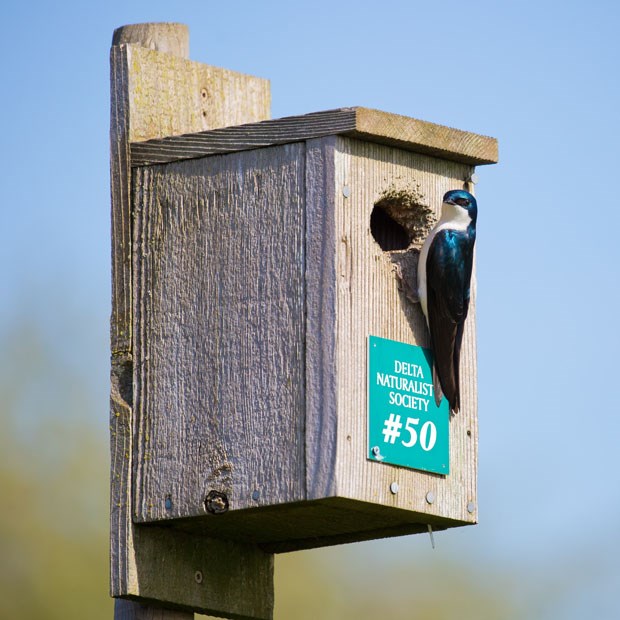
<point x="274" y="368"/>
<point x="265" y="260"/>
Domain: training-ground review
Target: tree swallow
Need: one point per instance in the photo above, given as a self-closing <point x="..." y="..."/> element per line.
<point x="444" y="274"/>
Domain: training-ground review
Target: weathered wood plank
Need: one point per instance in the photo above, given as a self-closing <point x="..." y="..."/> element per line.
<point x="192" y="572"/>
<point x="212" y="97"/>
<point x="120" y="322"/>
<point x="156" y="94"/>
<point x="320" y="267"/>
<point x="220" y="332"/>
<point x="152" y="94"/>
<point x="170" y="38"/>
<point x="424" y="137"/>
<point x="316" y="523"/>
<point x="372" y="125"/>
<point x="215" y="577"/>
<point x="130" y="610"/>
<point x="369" y="302"/>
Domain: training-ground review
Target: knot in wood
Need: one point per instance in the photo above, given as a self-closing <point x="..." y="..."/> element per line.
<point x="216" y="503"/>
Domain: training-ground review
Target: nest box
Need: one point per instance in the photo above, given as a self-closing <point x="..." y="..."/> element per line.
<point x="264" y="259"/>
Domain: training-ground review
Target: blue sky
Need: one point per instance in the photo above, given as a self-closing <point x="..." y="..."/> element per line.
<point x="540" y="76"/>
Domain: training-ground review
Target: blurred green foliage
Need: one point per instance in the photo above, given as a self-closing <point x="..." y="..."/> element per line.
<point x="54" y="519"/>
<point x="53" y="476"/>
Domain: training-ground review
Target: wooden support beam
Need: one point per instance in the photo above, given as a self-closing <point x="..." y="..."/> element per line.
<point x="155" y="92"/>
<point x="129" y="610"/>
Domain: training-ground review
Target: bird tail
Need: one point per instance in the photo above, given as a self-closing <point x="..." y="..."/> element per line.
<point x="437" y="386"/>
<point x="454" y="406"/>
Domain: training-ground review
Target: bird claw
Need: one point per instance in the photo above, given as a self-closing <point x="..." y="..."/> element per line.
<point x="399" y="277"/>
<point x="398" y="271"/>
<point x="405" y="269"/>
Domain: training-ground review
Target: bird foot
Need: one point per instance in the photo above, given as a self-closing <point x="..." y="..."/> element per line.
<point x="403" y="284"/>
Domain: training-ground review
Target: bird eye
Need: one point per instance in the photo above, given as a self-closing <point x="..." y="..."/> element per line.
<point x="462" y="201"/>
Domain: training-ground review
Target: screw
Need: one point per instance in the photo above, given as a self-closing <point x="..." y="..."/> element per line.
<point x="168" y="502"/>
<point x="255" y="494"/>
<point x="430" y="497"/>
<point x="346" y="191"/>
<point x="471" y="507"/>
<point x="198" y="576"/>
<point x="394" y="488"/>
<point x="216" y="503"/>
<point x="376" y="452"/>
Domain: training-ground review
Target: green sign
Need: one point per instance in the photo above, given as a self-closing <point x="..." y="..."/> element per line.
<point x="405" y="426"/>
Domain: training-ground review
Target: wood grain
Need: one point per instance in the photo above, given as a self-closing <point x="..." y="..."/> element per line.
<point x="371" y="125"/>
<point x="168" y="37"/>
<point x="220" y="332"/>
<point x="369" y="303"/>
<point x="320" y="306"/>
<point x="130" y="610"/>
<point x="212" y="97"/>
<point x="216" y="577"/>
<point x="120" y="321"/>
<point x="154" y="92"/>
<point x="197" y="573"/>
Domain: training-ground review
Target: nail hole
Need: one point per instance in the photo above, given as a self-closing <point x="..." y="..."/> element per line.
<point x="203" y="92"/>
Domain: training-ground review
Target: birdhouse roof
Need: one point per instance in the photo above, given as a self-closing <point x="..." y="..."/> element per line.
<point x="363" y="123"/>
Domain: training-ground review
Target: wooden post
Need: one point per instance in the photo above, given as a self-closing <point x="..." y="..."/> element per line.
<point x="129" y="610"/>
<point x="157" y="92"/>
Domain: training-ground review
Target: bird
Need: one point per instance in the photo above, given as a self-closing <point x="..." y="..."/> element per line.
<point x="444" y="287"/>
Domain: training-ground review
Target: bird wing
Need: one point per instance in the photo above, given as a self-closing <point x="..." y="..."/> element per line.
<point x="448" y="273"/>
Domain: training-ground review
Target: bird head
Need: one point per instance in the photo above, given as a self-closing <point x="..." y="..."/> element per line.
<point x="460" y="204"/>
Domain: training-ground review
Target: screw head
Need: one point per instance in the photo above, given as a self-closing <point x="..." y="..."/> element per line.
<point x="471" y="507"/>
<point x="216" y="503"/>
<point x="346" y="191"/>
<point x="255" y="494"/>
<point x="198" y="576"/>
<point x="394" y="488"/>
<point x="168" y="502"/>
<point x="430" y="497"/>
